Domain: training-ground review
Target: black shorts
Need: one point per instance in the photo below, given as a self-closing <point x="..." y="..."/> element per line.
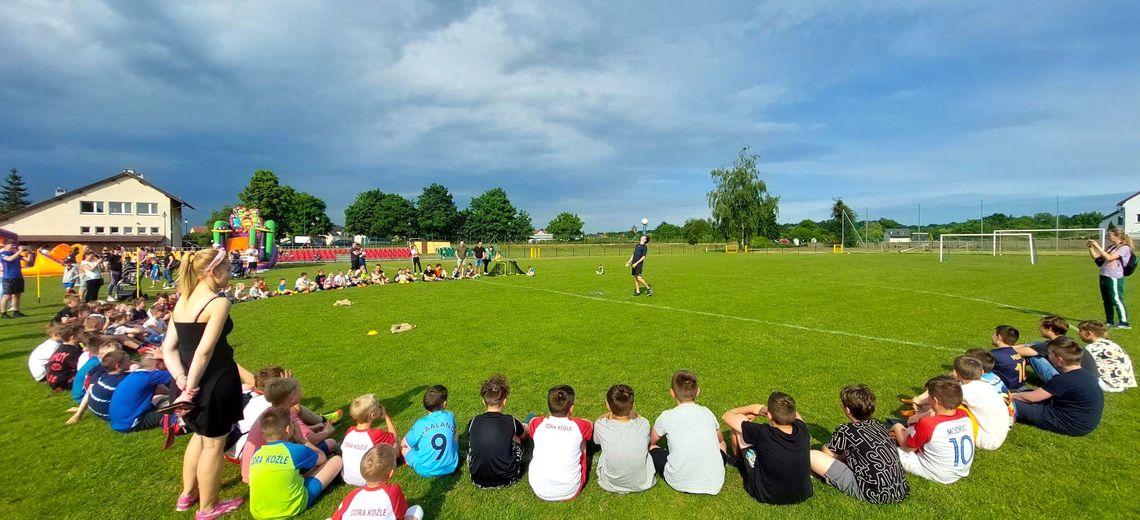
<point x="636" y="271"/>
<point x="13" y="286"/>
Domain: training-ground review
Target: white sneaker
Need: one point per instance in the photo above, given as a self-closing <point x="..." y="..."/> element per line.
<point x="111" y="298"/>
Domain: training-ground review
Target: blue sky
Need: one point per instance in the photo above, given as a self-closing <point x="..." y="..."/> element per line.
<point x="612" y="110"/>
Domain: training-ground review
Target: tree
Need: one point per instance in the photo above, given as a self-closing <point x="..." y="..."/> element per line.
<point x="307" y="215"/>
<point x="807" y="230"/>
<point x="667" y="231"/>
<point x="378" y="214"/>
<point x="266" y="193"/>
<point x="740" y="203"/>
<point x="1088" y="219"/>
<point x="436" y="214"/>
<point x="522" y="228"/>
<point x="223" y="214"/>
<point x="697" y="230"/>
<point x="840" y="215"/>
<point x="491" y="216"/>
<point x="565" y="226"/>
<point x="198" y="239"/>
<point x="360" y="216"/>
<point x="15" y="194"/>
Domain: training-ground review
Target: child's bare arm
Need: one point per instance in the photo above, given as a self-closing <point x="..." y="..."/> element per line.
<point x="390" y="425"/>
<point x="82" y="408"/>
<point x="653" y="437"/>
<point x="247" y="377"/>
<point x="736" y="417"/>
<point x="1034" y="396"/>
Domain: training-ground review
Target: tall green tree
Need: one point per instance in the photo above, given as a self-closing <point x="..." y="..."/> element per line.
<point x="378" y="214"/>
<point x="696" y="230"/>
<point x="15" y="194"/>
<point x="491" y="217"/>
<point x="840" y="225"/>
<point x="436" y="214"/>
<point x="565" y="226"/>
<point x="740" y="203"/>
<point x="307" y="215"/>
<point x="522" y="227"/>
<point x="223" y="214"/>
<point x="266" y="193"/>
<point x="666" y="232"/>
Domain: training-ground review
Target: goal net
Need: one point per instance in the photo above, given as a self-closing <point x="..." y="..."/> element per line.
<point x="950" y="244"/>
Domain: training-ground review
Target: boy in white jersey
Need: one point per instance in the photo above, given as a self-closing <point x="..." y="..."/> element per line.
<point x="982" y="401"/>
<point x="359" y="439"/>
<point x="558" y="467"/>
<point x="379" y="499"/>
<point x="987" y="360"/>
<point x="940" y="447"/>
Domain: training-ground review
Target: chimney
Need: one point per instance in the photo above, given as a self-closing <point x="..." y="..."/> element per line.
<point x="60" y="191"/>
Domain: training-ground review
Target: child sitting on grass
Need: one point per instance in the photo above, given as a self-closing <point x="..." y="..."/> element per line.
<point x="861" y="458"/>
<point x="1037" y="353"/>
<point x="775" y="457"/>
<point x="285" y="393"/>
<point x="624" y="465"/>
<point x="286" y="478"/>
<point x="134" y="400"/>
<point x="64" y="362"/>
<point x="558" y="464"/>
<point x="695" y="460"/>
<point x="98" y="397"/>
<point x="988" y="375"/>
<point x="282" y="289"/>
<point x="938" y="447"/>
<point x="379" y="499"/>
<point x="38" y="359"/>
<point x="983" y="402"/>
<point x="1008" y="364"/>
<point x="71" y="305"/>
<point x="1112" y="362"/>
<point x="94" y="348"/>
<point x="1070" y="403"/>
<point x="495" y="456"/>
<point x="431" y="447"/>
<point x="365" y="410"/>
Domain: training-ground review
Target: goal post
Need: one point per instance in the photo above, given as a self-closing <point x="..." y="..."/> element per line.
<point x="1085" y="232"/>
<point x="943" y="250"/>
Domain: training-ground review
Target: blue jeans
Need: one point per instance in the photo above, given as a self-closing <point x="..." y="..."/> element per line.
<point x="1043" y="368"/>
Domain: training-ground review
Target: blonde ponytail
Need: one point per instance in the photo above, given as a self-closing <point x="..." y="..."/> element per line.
<point x="196" y="264"/>
<point x="1119" y="233"/>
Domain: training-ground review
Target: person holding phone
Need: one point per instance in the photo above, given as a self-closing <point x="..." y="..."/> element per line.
<point x="201" y="361"/>
<point x="1112" y="262"/>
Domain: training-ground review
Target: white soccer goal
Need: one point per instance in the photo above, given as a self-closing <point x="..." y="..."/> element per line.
<point x="976" y="242"/>
<point x="1056" y="232"/>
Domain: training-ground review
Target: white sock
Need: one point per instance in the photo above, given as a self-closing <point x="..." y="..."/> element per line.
<point x="416" y="511"/>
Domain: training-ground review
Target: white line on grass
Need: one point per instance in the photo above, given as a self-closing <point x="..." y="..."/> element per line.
<point x="731" y="317"/>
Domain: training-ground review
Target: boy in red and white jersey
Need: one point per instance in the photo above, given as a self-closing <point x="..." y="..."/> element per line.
<point x="558" y="466"/>
<point x="939" y="447"/>
<point x="378" y="499"/>
<point x="359" y="439"/>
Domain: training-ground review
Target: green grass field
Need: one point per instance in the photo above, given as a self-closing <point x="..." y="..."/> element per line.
<point x="746" y="324"/>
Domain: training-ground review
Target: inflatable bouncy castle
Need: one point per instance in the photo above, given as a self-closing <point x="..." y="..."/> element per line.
<point x="246" y="230"/>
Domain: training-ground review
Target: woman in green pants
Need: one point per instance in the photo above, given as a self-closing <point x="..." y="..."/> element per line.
<point x="1112" y="262"/>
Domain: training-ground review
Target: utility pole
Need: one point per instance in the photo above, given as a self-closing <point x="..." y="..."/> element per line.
<point x="1057" y="226"/>
<point x="982" y="217"/>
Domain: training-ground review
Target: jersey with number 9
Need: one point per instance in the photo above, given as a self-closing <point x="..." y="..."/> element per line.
<point x="434" y="451"/>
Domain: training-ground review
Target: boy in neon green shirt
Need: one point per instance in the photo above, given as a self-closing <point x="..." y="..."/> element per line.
<point x="286" y="478"/>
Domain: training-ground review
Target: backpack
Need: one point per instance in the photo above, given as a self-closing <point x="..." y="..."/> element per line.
<point x="1130" y="267"/>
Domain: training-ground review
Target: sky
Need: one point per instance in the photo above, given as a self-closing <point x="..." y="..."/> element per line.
<point x="611" y="110"/>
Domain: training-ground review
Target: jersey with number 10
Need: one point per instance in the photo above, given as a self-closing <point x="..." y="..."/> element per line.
<point x="434" y="452"/>
<point x="945" y="445"/>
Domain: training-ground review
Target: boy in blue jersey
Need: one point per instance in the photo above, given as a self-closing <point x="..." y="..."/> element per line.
<point x="431" y="446"/>
<point x="98" y="397"/>
<point x="286" y="478"/>
<point x="132" y="406"/>
<point x="1008" y="364"/>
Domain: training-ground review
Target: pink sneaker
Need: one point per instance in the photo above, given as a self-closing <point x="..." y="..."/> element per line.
<point x="221" y="508"/>
<point x="185" y="502"/>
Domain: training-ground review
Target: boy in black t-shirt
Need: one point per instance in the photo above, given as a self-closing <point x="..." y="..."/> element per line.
<point x="774" y="458"/>
<point x="495" y="458"/>
<point x="63" y="364"/>
<point x="862" y="459"/>
<point x="1071" y="402"/>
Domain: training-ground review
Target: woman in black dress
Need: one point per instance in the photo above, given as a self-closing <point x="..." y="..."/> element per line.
<point x="201" y="360"/>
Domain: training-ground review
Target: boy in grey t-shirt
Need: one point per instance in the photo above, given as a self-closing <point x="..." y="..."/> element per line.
<point x="694" y="462"/>
<point x="625" y="465"/>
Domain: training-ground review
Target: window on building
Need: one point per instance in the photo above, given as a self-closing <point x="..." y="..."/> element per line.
<point x="1138" y="218"/>
<point x="154" y="231"/>
<point x="140" y="230"/>
<point x="119" y="208"/>
<point x="128" y="230"/>
<point x="91" y="206"/>
<point x="84" y="230"/>
<point x="114" y="230"/>
<point x="99" y="230"/>
<point x="147" y="208"/>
